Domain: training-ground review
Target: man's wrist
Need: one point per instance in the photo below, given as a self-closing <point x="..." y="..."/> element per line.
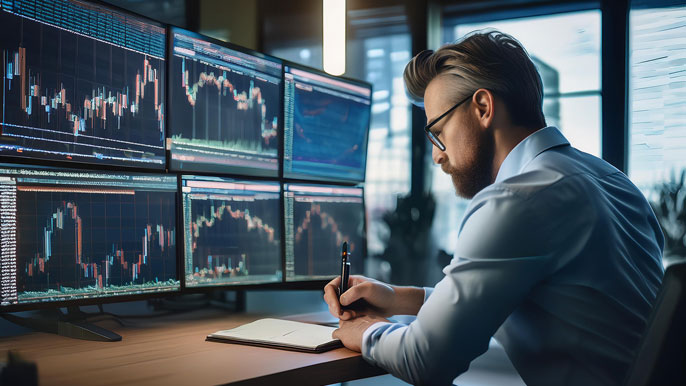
<point x="407" y="300"/>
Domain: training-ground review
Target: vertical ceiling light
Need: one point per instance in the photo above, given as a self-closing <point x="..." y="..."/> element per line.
<point x="334" y="36"/>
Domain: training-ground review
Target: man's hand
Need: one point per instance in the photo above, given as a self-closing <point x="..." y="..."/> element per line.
<point x="379" y="298"/>
<point x="350" y="332"/>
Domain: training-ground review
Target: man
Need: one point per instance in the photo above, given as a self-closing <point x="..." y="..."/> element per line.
<point x="558" y="254"/>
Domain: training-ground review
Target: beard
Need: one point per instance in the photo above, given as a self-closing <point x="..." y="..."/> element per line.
<point x="477" y="172"/>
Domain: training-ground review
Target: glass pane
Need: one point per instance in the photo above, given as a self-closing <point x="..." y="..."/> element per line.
<point x="309" y="55"/>
<point x="571" y="47"/>
<point x="657" y="118"/>
<point x="657" y="114"/>
<point x="579" y="120"/>
<point x="383" y="60"/>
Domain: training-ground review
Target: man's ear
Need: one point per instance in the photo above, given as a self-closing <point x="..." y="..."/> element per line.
<point x="483" y="103"/>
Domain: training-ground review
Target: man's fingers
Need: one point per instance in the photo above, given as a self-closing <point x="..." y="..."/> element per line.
<point x="347" y="315"/>
<point x="354" y="293"/>
<point x="331" y="297"/>
<point x="333" y="311"/>
<point x="336" y="334"/>
<point x="330" y="294"/>
<point x="334" y="307"/>
<point x="332" y="286"/>
<point x="336" y="282"/>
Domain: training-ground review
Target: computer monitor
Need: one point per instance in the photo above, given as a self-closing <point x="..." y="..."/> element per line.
<point x="326" y="125"/>
<point x="73" y="235"/>
<point x="232" y="231"/>
<point x="318" y="219"/>
<point x="82" y="83"/>
<point x="225" y="107"/>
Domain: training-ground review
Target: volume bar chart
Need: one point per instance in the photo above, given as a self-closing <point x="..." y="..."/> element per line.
<point x="74" y="93"/>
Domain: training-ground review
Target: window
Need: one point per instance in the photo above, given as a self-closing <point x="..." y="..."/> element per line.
<point x="381" y="60"/>
<point x="657" y="115"/>
<point x="307" y="55"/>
<point x="566" y="50"/>
<point x="378" y="47"/>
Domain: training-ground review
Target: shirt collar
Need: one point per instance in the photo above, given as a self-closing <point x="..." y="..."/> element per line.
<point x="530" y="147"/>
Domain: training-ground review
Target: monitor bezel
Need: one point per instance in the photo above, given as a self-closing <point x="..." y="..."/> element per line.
<point x="290" y="176"/>
<point x="194" y="168"/>
<point x="100" y="299"/>
<point x="323" y="281"/>
<point x="84" y="164"/>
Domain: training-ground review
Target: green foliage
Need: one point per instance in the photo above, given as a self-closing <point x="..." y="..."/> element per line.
<point x="670" y="210"/>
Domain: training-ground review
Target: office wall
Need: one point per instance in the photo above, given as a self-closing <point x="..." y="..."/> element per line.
<point x="230" y="20"/>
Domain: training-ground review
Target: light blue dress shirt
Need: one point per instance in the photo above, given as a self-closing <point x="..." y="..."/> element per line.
<point x="559" y="259"/>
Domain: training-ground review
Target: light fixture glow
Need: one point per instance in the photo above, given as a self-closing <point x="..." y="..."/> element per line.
<point x="334" y="36"/>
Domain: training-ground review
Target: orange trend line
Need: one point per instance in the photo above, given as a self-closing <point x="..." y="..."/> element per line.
<point x="253" y="222"/>
<point x="327" y="221"/>
<point x="57" y="189"/>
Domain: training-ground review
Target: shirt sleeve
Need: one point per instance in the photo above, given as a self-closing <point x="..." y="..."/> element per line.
<point x="504" y="249"/>
<point x="427" y="292"/>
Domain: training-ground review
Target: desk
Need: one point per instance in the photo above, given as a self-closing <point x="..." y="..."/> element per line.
<point x="172" y="350"/>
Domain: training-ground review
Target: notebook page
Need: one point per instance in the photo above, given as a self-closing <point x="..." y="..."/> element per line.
<point x="281" y="331"/>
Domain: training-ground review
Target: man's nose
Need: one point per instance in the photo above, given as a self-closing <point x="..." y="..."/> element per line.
<point x="437" y="155"/>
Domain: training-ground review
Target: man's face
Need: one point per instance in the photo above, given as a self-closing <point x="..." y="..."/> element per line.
<point x="469" y="147"/>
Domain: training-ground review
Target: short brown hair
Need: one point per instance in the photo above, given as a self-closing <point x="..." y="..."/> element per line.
<point x="484" y="59"/>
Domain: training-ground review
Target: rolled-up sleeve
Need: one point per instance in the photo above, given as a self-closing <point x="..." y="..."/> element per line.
<point x="504" y="249"/>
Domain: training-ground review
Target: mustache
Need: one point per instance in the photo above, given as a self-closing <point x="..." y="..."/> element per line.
<point x="446" y="168"/>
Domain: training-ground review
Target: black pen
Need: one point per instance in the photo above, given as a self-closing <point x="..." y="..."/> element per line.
<point x="345" y="269"/>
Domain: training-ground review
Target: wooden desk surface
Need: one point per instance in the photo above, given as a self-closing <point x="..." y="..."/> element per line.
<point x="173" y="350"/>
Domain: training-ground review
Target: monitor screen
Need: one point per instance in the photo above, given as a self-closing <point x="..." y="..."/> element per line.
<point x="232" y="231"/>
<point x="326" y="123"/>
<point x="319" y="218"/>
<point x="69" y="235"/>
<point x="81" y="83"/>
<point x="226" y="105"/>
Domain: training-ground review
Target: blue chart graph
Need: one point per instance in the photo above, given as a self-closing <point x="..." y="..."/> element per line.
<point x="76" y="93"/>
<point x="81" y="239"/>
<point x="226" y="107"/>
<point x="325" y="129"/>
<point x="232" y="232"/>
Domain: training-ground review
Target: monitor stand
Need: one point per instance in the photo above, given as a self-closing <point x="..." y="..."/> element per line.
<point x="73" y="324"/>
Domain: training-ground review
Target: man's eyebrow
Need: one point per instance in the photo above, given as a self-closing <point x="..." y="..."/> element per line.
<point x="438" y="126"/>
<point x="432" y="119"/>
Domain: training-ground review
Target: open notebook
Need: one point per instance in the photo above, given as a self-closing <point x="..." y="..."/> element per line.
<point x="279" y="333"/>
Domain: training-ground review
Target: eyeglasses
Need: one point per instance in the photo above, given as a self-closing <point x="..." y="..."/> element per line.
<point x="433" y="137"/>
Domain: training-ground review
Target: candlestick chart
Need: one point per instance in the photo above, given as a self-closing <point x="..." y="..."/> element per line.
<point x="316" y="227"/>
<point x="73" y="93"/>
<point x="225" y="113"/>
<point x="79" y="238"/>
<point x="232" y="237"/>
